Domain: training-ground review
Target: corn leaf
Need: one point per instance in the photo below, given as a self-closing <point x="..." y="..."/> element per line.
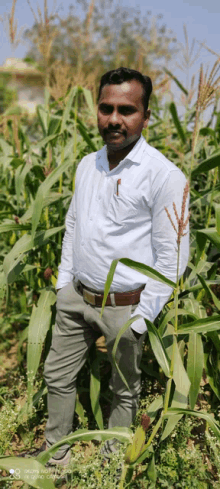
<point x="151" y="470"/>
<point x="48" y="183"/>
<point x="37" y="330"/>
<point x="88" y="97"/>
<point x="95" y="387"/>
<point x="67" y="109"/>
<point x="170" y="315"/>
<point x="158" y="348"/>
<point x="198" y="414"/>
<point x="154" y="407"/>
<point x="176" y="81"/>
<point x="203" y="325"/>
<point x="209" y="291"/>
<point x="21" y="247"/>
<point x="118" y="337"/>
<point x="182" y="387"/>
<point x="177" y="122"/>
<point x="146" y="270"/>
<point x="108" y="283"/>
<point x="28" y="470"/>
<point x="84" y="133"/>
<point x="139" y="267"/>
<point x="195" y="363"/>
<point x="207" y="164"/>
<point x="12" y="226"/>
<point x="122" y="434"/>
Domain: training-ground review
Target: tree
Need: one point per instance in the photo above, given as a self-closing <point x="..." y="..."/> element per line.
<point x="98" y="36"/>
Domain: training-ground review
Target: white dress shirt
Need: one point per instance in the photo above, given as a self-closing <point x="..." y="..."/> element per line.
<point x="102" y="226"/>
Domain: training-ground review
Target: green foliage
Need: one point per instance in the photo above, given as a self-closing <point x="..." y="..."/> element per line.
<point x="7" y="95"/>
<point x="37" y="181"/>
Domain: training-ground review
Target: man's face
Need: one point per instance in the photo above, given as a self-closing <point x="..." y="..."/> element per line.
<point x="121" y="116"/>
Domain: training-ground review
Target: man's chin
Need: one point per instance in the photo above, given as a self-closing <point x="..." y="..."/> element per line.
<point x="120" y="145"/>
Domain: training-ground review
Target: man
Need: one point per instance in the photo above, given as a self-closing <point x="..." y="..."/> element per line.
<point x="117" y="211"/>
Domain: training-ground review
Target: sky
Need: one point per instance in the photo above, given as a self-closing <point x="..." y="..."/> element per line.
<point x="201" y="17"/>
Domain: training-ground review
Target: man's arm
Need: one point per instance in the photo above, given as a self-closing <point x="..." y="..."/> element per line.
<point x="66" y="267"/>
<point x="164" y="243"/>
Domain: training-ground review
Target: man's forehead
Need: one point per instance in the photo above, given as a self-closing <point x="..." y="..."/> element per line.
<point x="129" y="91"/>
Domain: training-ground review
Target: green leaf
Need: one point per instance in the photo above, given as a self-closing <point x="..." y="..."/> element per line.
<point x="198" y="414"/>
<point x="211" y="375"/>
<point x="207" y="164"/>
<point x="170" y="315"/>
<point x="182" y="387"/>
<point x="180" y="376"/>
<point x="88" y="97"/>
<point x="176" y="81"/>
<point x="12" y="226"/>
<point x="28" y="470"/>
<point x="84" y="133"/>
<point x="217" y="217"/>
<point x="154" y="407"/>
<point x="79" y="409"/>
<point x="201" y="237"/>
<point x="177" y="122"/>
<point x="20" y="175"/>
<point x="137" y="444"/>
<point x="21" y="247"/>
<point x="209" y="291"/>
<point x="68" y="107"/>
<point x="122" y="434"/>
<point x="44" y="142"/>
<point x="139" y="267"/>
<point x="158" y="348"/>
<point x="195" y="363"/>
<point x="37" y="330"/>
<point x="146" y="270"/>
<point x="48" y="183"/>
<point x="42" y="113"/>
<point x="151" y="470"/>
<point x="203" y="325"/>
<point x="118" y="337"/>
<point x="95" y="387"/>
<point x="108" y="283"/>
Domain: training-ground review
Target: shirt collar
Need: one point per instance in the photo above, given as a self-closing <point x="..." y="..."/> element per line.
<point x="135" y="155"/>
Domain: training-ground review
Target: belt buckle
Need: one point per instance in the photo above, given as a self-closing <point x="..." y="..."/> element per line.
<point x="89" y="297"/>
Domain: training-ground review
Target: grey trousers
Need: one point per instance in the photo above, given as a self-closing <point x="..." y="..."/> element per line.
<point x="77" y="327"/>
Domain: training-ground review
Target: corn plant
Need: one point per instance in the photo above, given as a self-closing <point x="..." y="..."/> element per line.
<point x="168" y="343"/>
<point x="37" y="181"/>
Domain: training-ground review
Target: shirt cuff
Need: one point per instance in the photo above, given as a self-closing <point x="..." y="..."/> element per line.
<point x="64" y="279"/>
<point x="139" y="325"/>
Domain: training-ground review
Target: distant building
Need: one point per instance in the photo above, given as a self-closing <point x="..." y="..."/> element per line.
<point x="27" y="81"/>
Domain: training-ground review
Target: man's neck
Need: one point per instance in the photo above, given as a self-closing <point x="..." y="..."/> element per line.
<point x="115" y="157"/>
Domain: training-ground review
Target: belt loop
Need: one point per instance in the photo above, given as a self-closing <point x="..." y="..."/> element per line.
<point x="112" y="297"/>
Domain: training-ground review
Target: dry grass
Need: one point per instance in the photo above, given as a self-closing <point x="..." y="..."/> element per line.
<point x="45" y="34"/>
<point x="180" y="220"/>
<point x="11" y="27"/>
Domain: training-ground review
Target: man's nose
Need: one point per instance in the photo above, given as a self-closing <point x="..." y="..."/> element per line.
<point x="114" y="118"/>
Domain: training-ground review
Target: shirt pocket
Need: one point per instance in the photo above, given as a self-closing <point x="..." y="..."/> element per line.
<point x="125" y="208"/>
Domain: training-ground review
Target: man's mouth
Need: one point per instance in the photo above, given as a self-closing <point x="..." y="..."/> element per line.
<point x="114" y="133"/>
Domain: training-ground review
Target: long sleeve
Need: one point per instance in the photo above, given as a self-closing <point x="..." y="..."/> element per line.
<point x="66" y="267"/>
<point x="164" y="243"/>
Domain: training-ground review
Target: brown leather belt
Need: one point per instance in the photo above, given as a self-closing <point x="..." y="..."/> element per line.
<point x="113" y="299"/>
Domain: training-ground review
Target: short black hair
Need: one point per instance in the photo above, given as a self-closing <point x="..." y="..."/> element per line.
<point x="120" y="75"/>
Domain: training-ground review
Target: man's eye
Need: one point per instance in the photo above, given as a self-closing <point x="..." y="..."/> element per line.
<point x="104" y="109"/>
<point x="127" y="111"/>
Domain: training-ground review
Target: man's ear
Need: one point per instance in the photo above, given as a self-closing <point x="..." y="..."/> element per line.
<point x="147" y="117"/>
